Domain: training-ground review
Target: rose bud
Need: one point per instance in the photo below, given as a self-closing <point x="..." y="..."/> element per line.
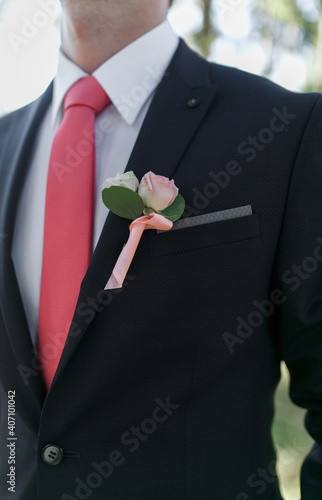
<point x="157" y="192"/>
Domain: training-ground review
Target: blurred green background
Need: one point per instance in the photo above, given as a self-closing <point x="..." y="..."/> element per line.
<point x="292" y="442"/>
<point x="279" y="39"/>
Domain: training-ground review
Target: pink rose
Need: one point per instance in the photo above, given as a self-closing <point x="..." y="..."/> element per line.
<point x="157" y="192"/>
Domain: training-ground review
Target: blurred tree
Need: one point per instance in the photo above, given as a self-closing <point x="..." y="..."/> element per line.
<point x="204" y="38"/>
<point x="291" y="25"/>
<point x="4" y="6"/>
<point x="315" y="76"/>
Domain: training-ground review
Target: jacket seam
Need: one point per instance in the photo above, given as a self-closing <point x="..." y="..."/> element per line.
<point x="319" y="97"/>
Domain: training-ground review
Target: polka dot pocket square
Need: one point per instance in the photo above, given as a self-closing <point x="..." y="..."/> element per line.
<point x="232" y="213"/>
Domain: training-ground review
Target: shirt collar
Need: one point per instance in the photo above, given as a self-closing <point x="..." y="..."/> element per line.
<point x="129" y="77"/>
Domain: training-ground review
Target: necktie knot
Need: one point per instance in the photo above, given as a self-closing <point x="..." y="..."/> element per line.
<point x="87" y="92"/>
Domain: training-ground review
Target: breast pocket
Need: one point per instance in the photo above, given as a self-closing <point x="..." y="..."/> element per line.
<point x="203" y="236"/>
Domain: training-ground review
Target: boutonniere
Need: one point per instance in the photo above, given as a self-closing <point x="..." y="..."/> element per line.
<point x="153" y="203"/>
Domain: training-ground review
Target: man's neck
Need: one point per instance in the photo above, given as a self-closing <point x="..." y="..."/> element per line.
<point x="93" y="31"/>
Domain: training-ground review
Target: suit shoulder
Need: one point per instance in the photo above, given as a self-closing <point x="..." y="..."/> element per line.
<point x="257" y="89"/>
<point x="21" y="116"/>
<point x="7" y="120"/>
<point x="234" y="86"/>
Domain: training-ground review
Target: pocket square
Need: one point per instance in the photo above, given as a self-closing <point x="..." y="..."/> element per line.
<point x="232" y="213"/>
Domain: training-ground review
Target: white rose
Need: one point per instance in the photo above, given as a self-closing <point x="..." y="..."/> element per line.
<point x="127" y="180"/>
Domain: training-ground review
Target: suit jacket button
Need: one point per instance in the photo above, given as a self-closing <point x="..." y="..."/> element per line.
<point x="193" y="102"/>
<point x="52" y="454"/>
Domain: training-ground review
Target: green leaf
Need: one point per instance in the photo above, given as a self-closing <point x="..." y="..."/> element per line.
<point x="123" y="202"/>
<point x="175" y="210"/>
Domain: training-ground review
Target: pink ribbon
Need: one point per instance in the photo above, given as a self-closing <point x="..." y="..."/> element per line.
<point x="152" y="221"/>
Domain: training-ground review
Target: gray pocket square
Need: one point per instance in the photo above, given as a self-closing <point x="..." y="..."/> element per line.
<point x="232" y="213"/>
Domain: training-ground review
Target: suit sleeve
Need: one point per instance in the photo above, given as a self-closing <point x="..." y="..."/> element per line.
<point x="300" y="276"/>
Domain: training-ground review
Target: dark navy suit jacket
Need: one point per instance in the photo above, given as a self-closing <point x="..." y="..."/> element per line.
<point x="165" y="389"/>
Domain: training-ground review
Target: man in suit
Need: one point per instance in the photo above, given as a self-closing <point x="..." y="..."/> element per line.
<point x="164" y="389"/>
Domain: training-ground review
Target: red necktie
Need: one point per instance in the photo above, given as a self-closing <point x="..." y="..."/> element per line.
<point x="69" y="215"/>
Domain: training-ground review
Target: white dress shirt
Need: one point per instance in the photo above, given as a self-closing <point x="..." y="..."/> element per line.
<point x="130" y="79"/>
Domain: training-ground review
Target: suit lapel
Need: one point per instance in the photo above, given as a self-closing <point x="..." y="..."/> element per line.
<point x="21" y="134"/>
<point x="164" y="137"/>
